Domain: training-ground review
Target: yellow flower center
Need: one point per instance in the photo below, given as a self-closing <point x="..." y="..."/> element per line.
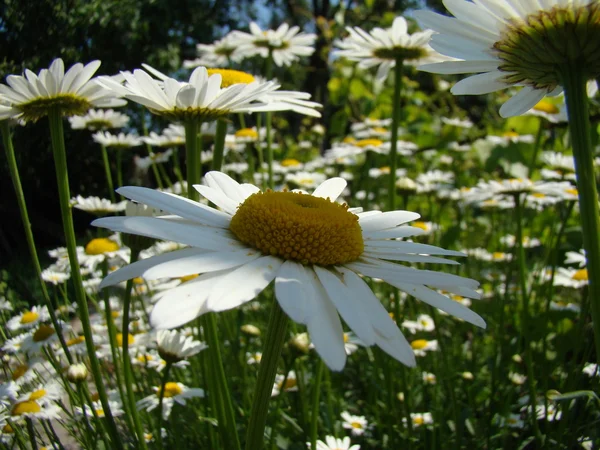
<point x="379" y="130"/>
<point x="511" y="134"/>
<point x="43" y="333"/>
<point x="290" y="383"/>
<point x="130" y="339"/>
<point x="246" y="133"/>
<point x="19" y="371"/>
<point x="99" y="412"/>
<point x="36" y="395"/>
<point x="145" y="358"/>
<point x="368" y="143"/>
<point x="419" y="344"/>
<point x="421" y="225"/>
<point x="230" y="77"/>
<point x="138" y="280"/>
<point x="99" y="246"/>
<point x="349" y="140"/>
<point x="572" y="191"/>
<point x="7" y="429"/>
<point x="28" y="406"/>
<point x="300" y="227"/>
<point x="546" y="106"/>
<point x="290" y="162"/>
<point x="29" y="317"/>
<point x="418" y="420"/>
<point x="497" y="255"/>
<point x="345" y="338"/>
<point x="188" y="277"/>
<point x="75" y="341"/>
<point x="580" y="275"/>
<point x="356" y="425"/>
<point x="538" y="195"/>
<point x="171" y="390"/>
<point x="384" y="169"/>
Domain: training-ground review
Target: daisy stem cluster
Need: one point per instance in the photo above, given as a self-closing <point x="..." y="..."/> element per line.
<point x="109" y="181"/>
<point x="574" y="84"/>
<point x="16" y="180"/>
<point x="219" y="148"/>
<point x="216" y="379"/>
<point x="396" y="113"/>
<point x="276" y="334"/>
<point x="64" y="195"/>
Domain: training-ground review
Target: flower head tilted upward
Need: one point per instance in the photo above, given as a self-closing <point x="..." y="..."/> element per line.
<point x="383" y="47"/>
<point x="31" y="96"/>
<point x="515" y="43"/>
<point x="312" y="247"/>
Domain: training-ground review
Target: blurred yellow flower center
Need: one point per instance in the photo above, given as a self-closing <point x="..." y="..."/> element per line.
<point x="29" y="317"/>
<point x="28" y="406"/>
<point x="511" y="134"/>
<point x="42" y="333"/>
<point x="368" y="143"/>
<point x="349" y="140"/>
<point x="419" y="344"/>
<point x="580" y="275"/>
<point x="130" y="339"/>
<point x="138" y="280"/>
<point x="188" y="277"/>
<point x="498" y="255"/>
<point x="418" y="421"/>
<point x="19" y="371"/>
<point x="384" y="169"/>
<point x="99" y="246"/>
<point x="379" y="130"/>
<point x="247" y="133"/>
<point x="36" y="395"/>
<point x="75" y="341"/>
<point x="145" y="358"/>
<point x="546" y="106"/>
<point x="356" y="424"/>
<point x="538" y="195"/>
<point x="300" y="227"/>
<point x="421" y="225"/>
<point x="229" y="77"/>
<point x="171" y="389"/>
<point x="572" y="191"/>
<point x="7" y="429"/>
<point x="290" y="383"/>
<point x="290" y="162"/>
<point x="345" y="338"/>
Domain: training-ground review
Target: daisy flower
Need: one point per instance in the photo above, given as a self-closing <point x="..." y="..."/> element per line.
<point x="576" y="258"/>
<point x="30" y="96"/>
<point x="55" y="277"/>
<point x="174" y="346"/>
<point x="28" y="319"/>
<point x="420" y="419"/>
<point x="34" y="410"/>
<point x="99" y="119"/>
<point x="305" y="180"/>
<point x="96" y="205"/>
<point x="120" y="140"/>
<point x="221" y="53"/>
<point x="333" y="443"/>
<point x="44" y="393"/>
<point x="574" y="278"/>
<point x="285" y="44"/>
<point x="8" y="393"/>
<point x="116" y="409"/>
<point x="287" y="384"/>
<point x="356" y="424"/>
<point x="173" y="393"/>
<point x="515" y="43"/>
<point x="591" y="369"/>
<point x="313" y="248"/>
<point x="422" y="346"/>
<point x="383" y="47"/>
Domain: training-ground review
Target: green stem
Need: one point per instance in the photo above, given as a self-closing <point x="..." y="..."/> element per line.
<point x="268" y="120"/>
<point x="219" y="148"/>
<point x="266" y="376"/>
<point x="109" y="181"/>
<point x="574" y="84"/>
<point x="127" y="370"/>
<point x="16" y="180"/>
<point x="149" y="150"/>
<point x="31" y="432"/>
<point x="119" y="167"/>
<point x="536" y="147"/>
<point x="525" y="318"/>
<point x="396" y="112"/>
<point x="161" y="398"/>
<point x="64" y="195"/>
<point x="216" y="380"/>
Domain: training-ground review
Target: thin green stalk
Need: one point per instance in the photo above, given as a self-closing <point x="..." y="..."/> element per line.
<point x="536" y="147"/>
<point x="127" y="370"/>
<point x="216" y="380"/>
<point x="149" y="150"/>
<point x="268" y="120"/>
<point x="396" y="112"/>
<point x="161" y="398"/>
<point x="276" y="334"/>
<point x="314" y="417"/>
<point x="574" y="84"/>
<point x="219" y="148"/>
<point x="109" y="181"/>
<point x="31" y="432"/>
<point x="64" y="195"/>
<point x="16" y="180"/>
<point x="119" y="167"/>
<point x="525" y="318"/>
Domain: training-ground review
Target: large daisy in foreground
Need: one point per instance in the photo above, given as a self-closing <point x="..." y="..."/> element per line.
<point x="312" y="247"/>
<point x="515" y="43"/>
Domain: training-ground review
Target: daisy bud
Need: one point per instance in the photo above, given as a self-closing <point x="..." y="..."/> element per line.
<point x="250" y="330"/>
<point x="301" y="342"/>
<point x="77" y="373"/>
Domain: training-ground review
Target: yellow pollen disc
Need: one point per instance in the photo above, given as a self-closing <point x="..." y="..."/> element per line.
<point x="43" y="332"/>
<point x="130" y="339"/>
<point x="497" y="255"/>
<point x="356" y="424"/>
<point x="246" y="133"/>
<point x="29" y="317"/>
<point x="188" y="277"/>
<point x="345" y="338"/>
<point x="538" y="195"/>
<point x="368" y="143"/>
<point x="419" y="344"/>
<point x="349" y="140"/>
<point x="19" y="371"/>
<point x="290" y="162"/>
<point x="36" y="395"/>
<point x="580" y="275"/>
<point x="145" y="358"/>
<point x="572" y="191"/>
<point x="379" y="130"/>
<point x="28" y="406"/>
<point x="511" y="134"/>
<point x="300" y="227"/>
<point x="138" y="280"/>
<point x="418" y="421"/>
<point x="115" y="314"/>
<point x="95" y="397"/>
<point x="229" y="77"/>
<point x="421" y="225"/>
<point x="7" y="429"/>
<point x="171" y="389"/>
<point x="385" y="169"/>
<point x="75" y="341"/>
<point x="290" y="383"/>
<point x="99" y="412"/>
<point x="546" y="106"/>
<point x="457" y="298"/>
<point x="99" y="246"/>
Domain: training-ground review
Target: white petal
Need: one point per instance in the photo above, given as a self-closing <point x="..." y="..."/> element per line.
<point x="226" y="184"/>
<point x="383" y="221"/>
<point x="522" y="102"/>
<point x="295" y="292"/>
<point x="484" y="83"/>
<point x="409" y="247"/>
<point x="218" y="198"/>
<point x="330" y="189"/>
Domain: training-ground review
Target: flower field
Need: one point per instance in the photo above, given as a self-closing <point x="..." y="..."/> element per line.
<point x="319" y="237"/>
